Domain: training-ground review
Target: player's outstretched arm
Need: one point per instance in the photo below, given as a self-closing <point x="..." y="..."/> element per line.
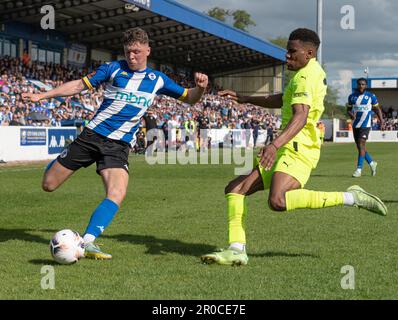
<point x="194" y="94"/>
<point x="298" y="121"/>
<point x="67" y="89"/>
<point x="271" y="101"/>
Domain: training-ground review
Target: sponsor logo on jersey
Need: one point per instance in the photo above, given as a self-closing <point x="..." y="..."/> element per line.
<point x="300" y="94"/>
<point x="134" y="99"/>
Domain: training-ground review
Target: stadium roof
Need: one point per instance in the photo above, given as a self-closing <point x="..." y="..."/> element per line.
<point x="179" y="35"/>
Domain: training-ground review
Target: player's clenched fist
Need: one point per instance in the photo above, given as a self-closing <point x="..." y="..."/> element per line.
<point x="32" y="97"/>
<point x="201" y="80"/>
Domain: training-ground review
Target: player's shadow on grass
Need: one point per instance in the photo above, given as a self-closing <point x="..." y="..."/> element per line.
<point x="390" y="201"/>
<point x="23" y="234"/>
<point x="272" y="254"/>
<point x="43" y="262"/>
<point x="161" y="246"/>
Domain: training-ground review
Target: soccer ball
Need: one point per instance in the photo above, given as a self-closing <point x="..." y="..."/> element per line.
<point x="67" y="246"/>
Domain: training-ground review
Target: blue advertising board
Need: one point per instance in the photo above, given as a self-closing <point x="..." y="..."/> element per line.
<point x="58" y="138"/>
<point x="33" y="137"/>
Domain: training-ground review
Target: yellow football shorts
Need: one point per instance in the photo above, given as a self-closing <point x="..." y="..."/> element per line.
<point x="297" y="164"/>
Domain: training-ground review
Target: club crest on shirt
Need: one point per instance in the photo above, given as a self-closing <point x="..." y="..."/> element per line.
<point x="152" y="76"/>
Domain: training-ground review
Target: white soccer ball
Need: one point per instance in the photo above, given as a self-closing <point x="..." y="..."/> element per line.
<point x="67" y="246"/>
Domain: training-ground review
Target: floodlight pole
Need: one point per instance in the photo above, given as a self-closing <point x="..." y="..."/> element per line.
<point x="319" y="29"/>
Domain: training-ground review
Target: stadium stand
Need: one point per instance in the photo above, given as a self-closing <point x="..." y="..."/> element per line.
<point x="16" y="76"/>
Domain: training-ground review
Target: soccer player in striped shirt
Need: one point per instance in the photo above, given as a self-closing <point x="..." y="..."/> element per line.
<point x="361" y="105"/>
<point x="130" y="87"/>
<point x="284" y="166"/>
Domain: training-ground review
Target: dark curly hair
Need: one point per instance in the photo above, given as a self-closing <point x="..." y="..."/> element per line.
<point x="135" y="35"/>
<point x="362" y="79"/>
<point x="305" y="35"/>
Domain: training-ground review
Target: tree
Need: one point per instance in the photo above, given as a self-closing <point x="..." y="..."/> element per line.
<point x="332" y="107"/>
<point x="332" y="95"/>
<point x="242" y="20"/>
<point x="218" y="13"/>
<point x="280" y="41"/>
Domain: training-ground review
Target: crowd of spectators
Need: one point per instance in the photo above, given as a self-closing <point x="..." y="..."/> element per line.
<point x="212" y="112"/>
<point x="14" y="75"/>
<point x="391" y="119"/>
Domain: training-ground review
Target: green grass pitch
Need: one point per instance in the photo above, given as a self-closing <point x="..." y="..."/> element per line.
<point x="175" y="213"/>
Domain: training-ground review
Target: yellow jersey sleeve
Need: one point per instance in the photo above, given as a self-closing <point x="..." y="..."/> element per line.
<point x="302" y="90"/>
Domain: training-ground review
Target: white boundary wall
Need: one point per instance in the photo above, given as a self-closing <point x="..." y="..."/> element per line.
<point x="13" y="147"/>
<point x="374" y="136"/>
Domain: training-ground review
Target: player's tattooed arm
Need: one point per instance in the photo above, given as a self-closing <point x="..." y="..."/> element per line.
<point x="67" y="89"/>
<point x="273" y="101"/>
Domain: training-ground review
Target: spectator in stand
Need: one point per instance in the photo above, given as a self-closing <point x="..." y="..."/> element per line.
<point x="25" y="58"/>
<point x="270" y="134"/>
<point x="256" y="128"/>
<point x="15" y="120"/>
<point x="150" y="123"/>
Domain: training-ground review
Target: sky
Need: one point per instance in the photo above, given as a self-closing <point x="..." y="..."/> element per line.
<point x="372" y="43"/>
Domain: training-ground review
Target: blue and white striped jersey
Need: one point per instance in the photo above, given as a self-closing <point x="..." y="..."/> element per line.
<point x="361" y="105"/>
<point x="128" y="94"/>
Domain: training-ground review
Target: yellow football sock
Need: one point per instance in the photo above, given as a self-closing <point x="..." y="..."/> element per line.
<point x="236" y="206"/>
<point x="301" y="198"/>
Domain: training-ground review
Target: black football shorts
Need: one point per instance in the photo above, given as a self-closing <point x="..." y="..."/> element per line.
<point x="90" y="147"/>
<point x="361" y="133"/>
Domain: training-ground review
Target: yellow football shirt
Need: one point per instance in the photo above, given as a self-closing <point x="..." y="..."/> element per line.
<point x="308" y="86"/>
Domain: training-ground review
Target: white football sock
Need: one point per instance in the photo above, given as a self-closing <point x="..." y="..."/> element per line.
<point x="348" y="199"/>
<point x="237" y="245"/>
<point x="88" y="238"/>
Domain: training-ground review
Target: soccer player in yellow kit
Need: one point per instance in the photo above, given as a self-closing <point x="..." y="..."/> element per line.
<point x="285" y="165"/>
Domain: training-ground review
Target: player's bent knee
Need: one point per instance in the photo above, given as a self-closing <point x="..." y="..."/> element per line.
<point x="229" y="188"/>
<point x="277" y="203"/>
<point x="116" y="195"/>
<point x="233" y="187"/>
<point x="47" y="186"/>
